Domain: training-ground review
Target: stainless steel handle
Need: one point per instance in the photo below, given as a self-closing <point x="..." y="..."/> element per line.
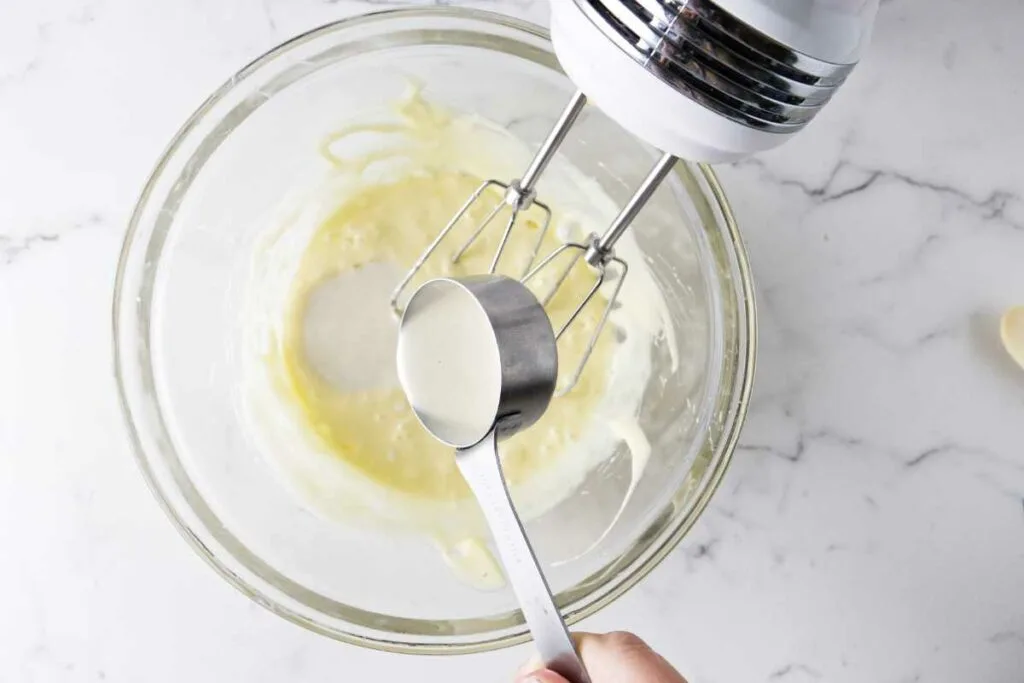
<point x="555" y="138"/>
<point x="637" y="202"/>
<point x="481" y="469"/>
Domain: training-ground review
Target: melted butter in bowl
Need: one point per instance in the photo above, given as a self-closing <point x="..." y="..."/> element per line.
<point x="325" y="393"/>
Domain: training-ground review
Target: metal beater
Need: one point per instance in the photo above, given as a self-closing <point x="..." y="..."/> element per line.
<point x="597" y="251"/>
<point x="519" y="195"/>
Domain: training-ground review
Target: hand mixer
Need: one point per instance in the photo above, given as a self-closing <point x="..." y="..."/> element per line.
<point x="700" y="80"/>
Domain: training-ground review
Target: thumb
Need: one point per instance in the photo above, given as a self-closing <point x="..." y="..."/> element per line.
<point x="542" y="676"/>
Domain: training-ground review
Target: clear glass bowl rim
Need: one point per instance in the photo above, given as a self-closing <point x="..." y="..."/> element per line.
<point x="723" y="451"/>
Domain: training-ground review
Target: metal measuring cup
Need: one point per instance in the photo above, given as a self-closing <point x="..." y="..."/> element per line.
<point x="478" y="362"/>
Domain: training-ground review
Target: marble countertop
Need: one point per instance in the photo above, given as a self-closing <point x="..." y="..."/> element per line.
<point x="871" y="527"/>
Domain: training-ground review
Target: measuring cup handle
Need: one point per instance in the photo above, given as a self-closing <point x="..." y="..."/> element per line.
<point x="481" y="469"/>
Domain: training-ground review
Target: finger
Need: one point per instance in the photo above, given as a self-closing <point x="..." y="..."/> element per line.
<point x="624" y="656"/>
<point x="611" y="656"/>
<point x="541" y="676"/>
<point x="535" y="664"/>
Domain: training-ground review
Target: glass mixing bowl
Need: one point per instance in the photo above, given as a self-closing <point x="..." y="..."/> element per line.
<point x="254" y="143"/>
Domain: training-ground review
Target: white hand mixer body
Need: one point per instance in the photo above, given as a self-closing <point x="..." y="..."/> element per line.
<point x="710" y="81"/>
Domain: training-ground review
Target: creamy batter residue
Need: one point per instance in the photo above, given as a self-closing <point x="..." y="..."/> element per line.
<point x="321" y="337"/>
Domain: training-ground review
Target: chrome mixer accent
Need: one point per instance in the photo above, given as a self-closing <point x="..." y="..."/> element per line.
<point x="713" y="58"/>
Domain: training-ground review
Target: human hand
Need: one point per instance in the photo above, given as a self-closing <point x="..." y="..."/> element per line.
<point x="611" y="658"/>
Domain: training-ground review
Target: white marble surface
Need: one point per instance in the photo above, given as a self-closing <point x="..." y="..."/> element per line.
<point x="872" y="526"/>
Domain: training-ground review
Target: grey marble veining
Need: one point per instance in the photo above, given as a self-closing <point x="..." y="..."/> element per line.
<point x="872" y="525"/>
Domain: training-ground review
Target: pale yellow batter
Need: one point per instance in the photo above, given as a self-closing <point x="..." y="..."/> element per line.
<point x="324" y="396"/>
<point x="392" y="222"/>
